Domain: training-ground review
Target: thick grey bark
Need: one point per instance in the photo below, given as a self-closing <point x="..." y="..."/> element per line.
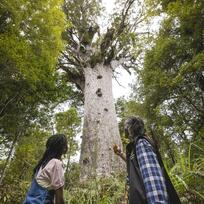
<point x="100" y="129"/>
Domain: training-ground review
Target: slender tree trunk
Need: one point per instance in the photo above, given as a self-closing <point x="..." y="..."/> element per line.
<point x="67" y="171"/>
<point x="100" y="129"/>
<point x="8" y="159"/>
<point x="68" y="164"/>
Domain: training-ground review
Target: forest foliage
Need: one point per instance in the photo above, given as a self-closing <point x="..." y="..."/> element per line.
<point x="168" y="93"/>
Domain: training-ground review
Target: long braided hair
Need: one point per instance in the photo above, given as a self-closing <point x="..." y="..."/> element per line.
<point x="56" y="145"/>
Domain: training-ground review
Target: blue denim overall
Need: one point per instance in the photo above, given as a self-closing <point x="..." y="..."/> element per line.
<point x="38" y="195"/>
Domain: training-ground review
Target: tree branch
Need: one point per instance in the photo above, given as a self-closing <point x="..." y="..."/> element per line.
<point x="124" y="15"/>
<point x="75" y="77"/>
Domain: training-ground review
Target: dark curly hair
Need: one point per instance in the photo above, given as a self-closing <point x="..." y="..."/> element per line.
<point x="134" y="126"/>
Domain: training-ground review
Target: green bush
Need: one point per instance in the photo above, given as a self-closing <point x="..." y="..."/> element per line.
<point x="110" y="190"/>
<point x="187" y="176"/>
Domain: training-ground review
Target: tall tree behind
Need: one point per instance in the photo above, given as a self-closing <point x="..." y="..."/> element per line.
<point x="30" y="42"/>
<point x="68" y="123"/>
<point x="173" y="77"/>
<point x="89" y="61"/>
<point x="19" y="174"/>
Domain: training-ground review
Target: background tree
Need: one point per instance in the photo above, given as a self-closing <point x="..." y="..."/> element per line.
<point x="30" y="42"/>
<point x="173" y="72"/>
<point x="69" y="123"/>
<point x="19" y="174"/>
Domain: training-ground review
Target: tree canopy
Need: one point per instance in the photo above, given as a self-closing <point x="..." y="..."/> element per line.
<point x="30" y="42"/>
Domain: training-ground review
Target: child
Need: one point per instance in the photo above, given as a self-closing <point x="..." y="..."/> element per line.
<point x="48" y="181"/>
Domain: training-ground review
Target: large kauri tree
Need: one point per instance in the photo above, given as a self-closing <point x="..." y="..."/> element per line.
<point x="89" y="60"/>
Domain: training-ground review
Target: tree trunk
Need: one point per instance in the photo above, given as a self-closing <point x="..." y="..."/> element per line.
<point x="100" y="129"/>
<point x="3" y="172"/>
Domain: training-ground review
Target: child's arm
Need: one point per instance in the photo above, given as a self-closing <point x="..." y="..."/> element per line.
<point x="59" y="196"/>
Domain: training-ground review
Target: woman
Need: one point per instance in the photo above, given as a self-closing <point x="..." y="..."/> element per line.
<point x="48" y="180"/>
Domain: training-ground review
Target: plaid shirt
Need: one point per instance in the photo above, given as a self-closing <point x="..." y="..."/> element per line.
<point x="151" y="172"/>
